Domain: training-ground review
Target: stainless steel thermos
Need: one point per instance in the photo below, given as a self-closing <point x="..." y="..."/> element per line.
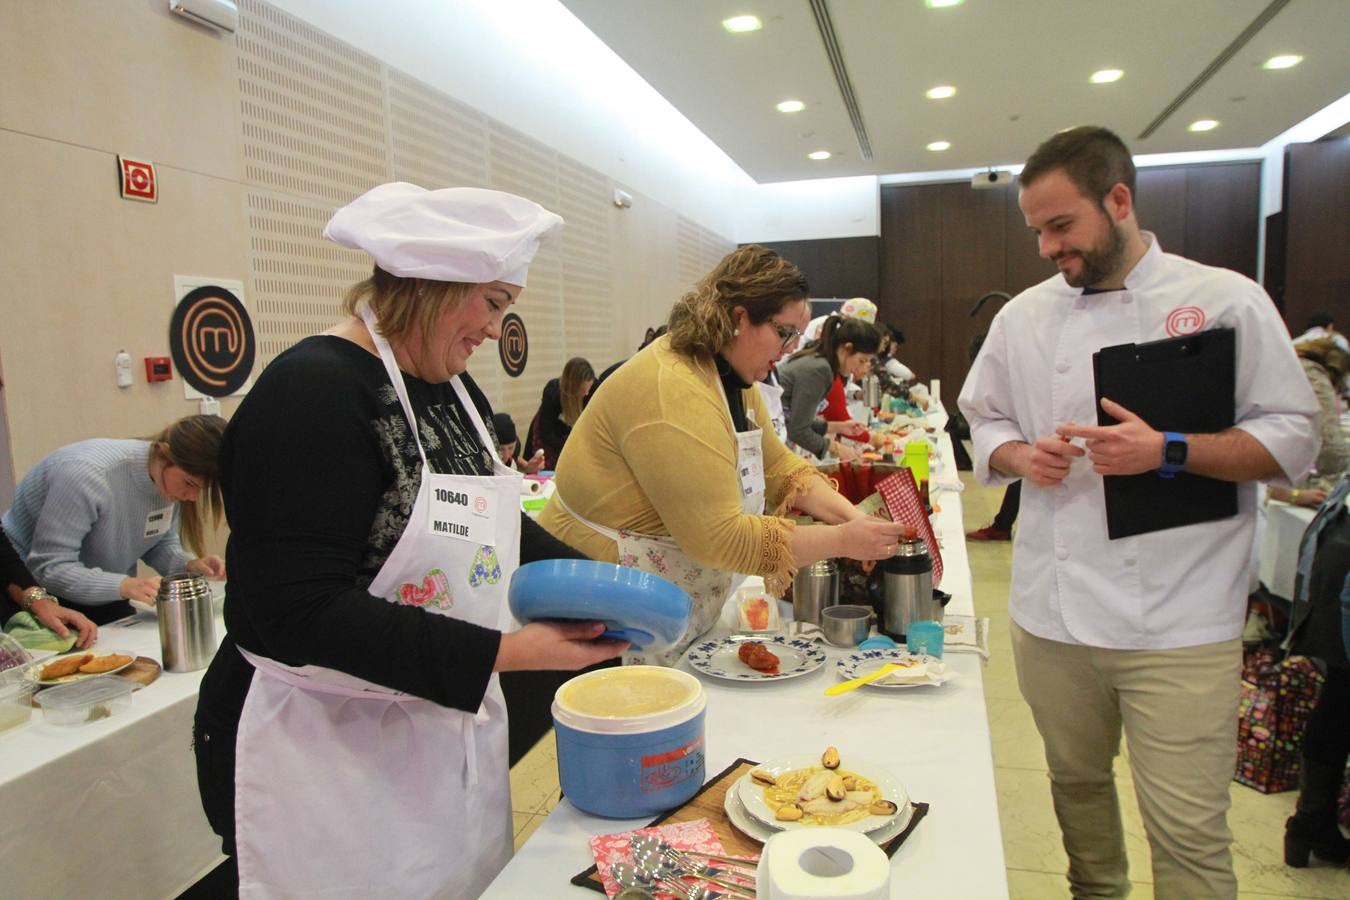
<point x="813" y="588"/>
<point x="187" y="624"/>
<point x="907" y="589"/>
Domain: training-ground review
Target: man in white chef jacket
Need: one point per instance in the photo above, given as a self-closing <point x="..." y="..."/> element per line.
<point x="1140" y="633"/>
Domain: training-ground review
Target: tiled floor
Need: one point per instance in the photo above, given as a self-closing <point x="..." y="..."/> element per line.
<point x="1031" y="842"/>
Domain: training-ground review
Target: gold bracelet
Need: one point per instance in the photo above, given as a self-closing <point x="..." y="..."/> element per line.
<point x="1294" y="495"/>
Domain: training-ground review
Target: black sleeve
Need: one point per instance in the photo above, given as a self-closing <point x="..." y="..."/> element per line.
<point x="552" y="432"/>
<point x="303" y="477"/>
<point x="12" y="572"/>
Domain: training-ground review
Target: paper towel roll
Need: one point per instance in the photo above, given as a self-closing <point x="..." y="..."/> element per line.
<point x="530" y="488"/>
<point x="818" y="863"/>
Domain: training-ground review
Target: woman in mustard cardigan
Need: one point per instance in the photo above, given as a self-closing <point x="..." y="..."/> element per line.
<point x="671" y="467"/>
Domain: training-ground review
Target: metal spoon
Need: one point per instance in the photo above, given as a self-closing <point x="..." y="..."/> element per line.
<point x="662" y="868"/>
<point x="641" y="841"/>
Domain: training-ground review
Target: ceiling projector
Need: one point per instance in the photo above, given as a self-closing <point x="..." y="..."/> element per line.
<point x="991" y="179"/>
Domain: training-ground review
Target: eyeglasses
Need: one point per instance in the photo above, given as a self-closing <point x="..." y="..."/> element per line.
<point x="787" y="333"/>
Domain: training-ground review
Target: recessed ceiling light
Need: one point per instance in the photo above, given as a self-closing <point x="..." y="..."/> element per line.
<point x="939" y="4"/>
<point x="819" y="154"/>
<point x="1106" y="76"/>
<point x="941" y="92"/>
<point x="791" y="106"/>
<point x="1203" y="125"/>
<point x="737" y="24"/>
<point x="939" y="146"/>
<point x="1283" y="61"/>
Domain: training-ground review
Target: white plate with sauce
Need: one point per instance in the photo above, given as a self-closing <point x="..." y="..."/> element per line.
<point x="757" y="830"/>
<point x="751" y="793"/>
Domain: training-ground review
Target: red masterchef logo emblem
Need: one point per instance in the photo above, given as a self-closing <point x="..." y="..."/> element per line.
<point x="138" y="179"/>
<point x="212" y="341"/>
<point x="513" y="347"/>
<point x="1185" y="320"/>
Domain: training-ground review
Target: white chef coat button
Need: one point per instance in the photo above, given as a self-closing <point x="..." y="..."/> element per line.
<point x="1062" y="554"/>
<point x="1126" y="299"/>
<point x="1061" y="368"/>
<point x="1129" y="562"/>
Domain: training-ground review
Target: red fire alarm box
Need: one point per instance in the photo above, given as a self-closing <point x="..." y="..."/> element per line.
<point x="158" y="368"/>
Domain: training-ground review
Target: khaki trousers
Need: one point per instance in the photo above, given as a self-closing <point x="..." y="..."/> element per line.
<point x="1178" y="709"/>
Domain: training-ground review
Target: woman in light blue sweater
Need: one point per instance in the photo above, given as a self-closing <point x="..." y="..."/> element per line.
<point x="86" y="513"/>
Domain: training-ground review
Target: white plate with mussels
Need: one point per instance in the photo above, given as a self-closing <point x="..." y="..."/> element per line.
<point x="857" y="795"/>
<point x="757" y="830"/>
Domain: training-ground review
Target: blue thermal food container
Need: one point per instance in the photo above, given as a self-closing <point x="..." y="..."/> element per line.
<point x="630" y="740"/>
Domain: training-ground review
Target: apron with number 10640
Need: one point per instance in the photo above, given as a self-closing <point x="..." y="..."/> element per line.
<point x="347" y="789"/>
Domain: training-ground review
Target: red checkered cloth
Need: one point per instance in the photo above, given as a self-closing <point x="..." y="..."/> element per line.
<point x="901" y="495"/>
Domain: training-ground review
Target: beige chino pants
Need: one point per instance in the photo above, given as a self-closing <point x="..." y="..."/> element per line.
<point x="1178" y="709"/>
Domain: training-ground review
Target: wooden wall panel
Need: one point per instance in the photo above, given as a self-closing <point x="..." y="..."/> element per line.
<point x="945" y="245"/>
<point x="835" y="267"/>
<point x="1317" y="195"/>
<point x="1160" y="205"/>
<point x="974" y="251"/>
<point x="1024" y="265"/>
<point x="911" y="274"/>
<point x="1223" y="215"/>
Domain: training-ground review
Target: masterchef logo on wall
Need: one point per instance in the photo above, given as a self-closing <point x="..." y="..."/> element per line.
<point x="514" y="345"/>
<point x="212" y="340"/>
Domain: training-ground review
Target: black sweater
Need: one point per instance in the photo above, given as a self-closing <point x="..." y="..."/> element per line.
<point x="319" y="473"/>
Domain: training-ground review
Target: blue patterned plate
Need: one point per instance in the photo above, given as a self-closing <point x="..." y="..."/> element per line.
<point x="721" y="659"/>
<point x="859" y="664"/>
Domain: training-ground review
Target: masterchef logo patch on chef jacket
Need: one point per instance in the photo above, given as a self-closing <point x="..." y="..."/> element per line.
<point x="158" y="521"/>
<point x="460" y="512"/>
<point x="1185" y="320"/>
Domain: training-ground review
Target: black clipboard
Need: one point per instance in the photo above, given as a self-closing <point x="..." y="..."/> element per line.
<point x="1184" y="384"/>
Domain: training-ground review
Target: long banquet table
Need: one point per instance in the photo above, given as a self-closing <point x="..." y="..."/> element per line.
<point x="108" y="809"/>
<point x="934" y="739"/>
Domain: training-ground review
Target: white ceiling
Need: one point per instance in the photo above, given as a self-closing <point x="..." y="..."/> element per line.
<point x="1020" y="67"/>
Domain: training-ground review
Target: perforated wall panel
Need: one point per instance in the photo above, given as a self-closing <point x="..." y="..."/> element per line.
<point x="321" y="122"/>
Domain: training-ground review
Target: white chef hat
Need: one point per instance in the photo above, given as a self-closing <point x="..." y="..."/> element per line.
<point x="859" y="308"/>
<point x="463" y="234"/>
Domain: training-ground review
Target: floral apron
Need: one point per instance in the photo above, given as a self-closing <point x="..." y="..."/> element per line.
<point x="708" y="588"/>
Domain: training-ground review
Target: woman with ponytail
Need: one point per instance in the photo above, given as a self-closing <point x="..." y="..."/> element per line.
<point x="813" y="386"/>
<point x="85" y="514"/>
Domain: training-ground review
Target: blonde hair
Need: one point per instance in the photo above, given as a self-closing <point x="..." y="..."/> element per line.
<point x="403" y="304"/>
<point x="754" y="278"/>
<point x="571" y="386"/>
<point x="193" y="445"/>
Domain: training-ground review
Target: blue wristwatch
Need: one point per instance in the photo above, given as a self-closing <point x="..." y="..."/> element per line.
<point x="1174" y="454"/>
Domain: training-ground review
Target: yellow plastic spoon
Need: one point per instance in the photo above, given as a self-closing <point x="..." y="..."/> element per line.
<point x="844" y="687"/>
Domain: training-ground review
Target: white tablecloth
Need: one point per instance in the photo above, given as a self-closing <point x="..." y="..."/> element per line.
<point x="1285" y="525"/>
<point x="934" y="739"/>
<point x="108" y="809"/>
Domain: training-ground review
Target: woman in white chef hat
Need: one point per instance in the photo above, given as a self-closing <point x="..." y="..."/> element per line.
<point x="351" y="733"/>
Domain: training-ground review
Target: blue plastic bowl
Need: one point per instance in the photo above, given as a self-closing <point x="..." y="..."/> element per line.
<point x="646" y="610"/>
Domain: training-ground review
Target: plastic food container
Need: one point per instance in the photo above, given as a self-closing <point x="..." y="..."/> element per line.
<point x="16" y="707"/>
<point x="13" y="656"/>
<point x="630" y="740"/>
<point x="86" y="701"/>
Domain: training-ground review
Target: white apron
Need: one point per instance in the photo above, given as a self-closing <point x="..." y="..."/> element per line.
<point x="773" y="402"/>
<point x="344" y="788"/>
<point x="707" y="588"/>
